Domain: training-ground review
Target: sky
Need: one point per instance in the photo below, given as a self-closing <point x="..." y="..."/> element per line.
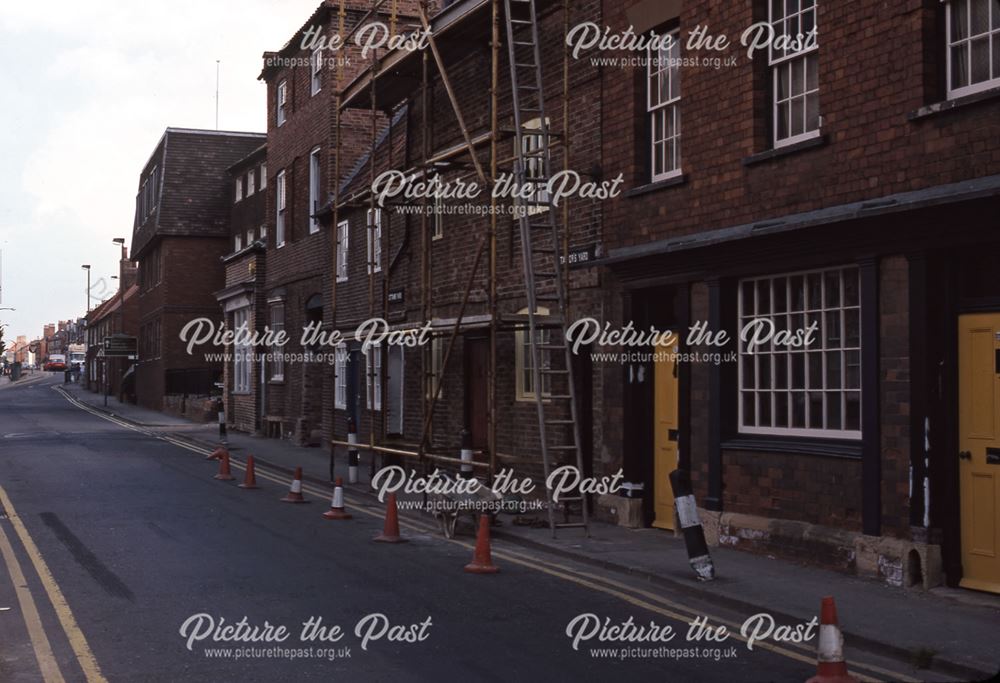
<point x="86" y="91"/>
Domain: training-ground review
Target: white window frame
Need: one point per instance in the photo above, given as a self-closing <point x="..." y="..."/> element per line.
<point x="783" y="63"/>
<point x="340" y="377"/>
<point x="373" y="377"/>
<point x="237" y="242"/>
<point x="251" y="182"/>
<point x="343" y="237"/>
<point x="374" y="231"/>
<point x="992" y="38"/>
<point x="249" y="237"/>
<point x="663" y="73"/>
<point x="525" y="390"/>
<point x="263" y="176"/>
<point x="315" y="175"/>
<point x="281" y="200"/>
<point x="316" y="61"/>
<point x="830" y="342"/>
<point x="277" y="364"/>
<point x="263" y="233"/>
<point x="241" y="353"/>
<point x="282" y="103"/>
<point x="534" y="167"/>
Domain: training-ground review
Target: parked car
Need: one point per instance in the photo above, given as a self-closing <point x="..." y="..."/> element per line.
<point x="56" y="363"/>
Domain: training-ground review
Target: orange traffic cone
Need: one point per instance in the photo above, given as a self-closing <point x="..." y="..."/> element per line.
<point x="337" y="510"/>
<point x="830" y="664"/>
<point x="390" y="532"/>
<point x="224" y="473"/>
<point x="216" y="454"/>
<point x="250" y="480"/>
<point x="482" y="562"/>
<point x="295" y="491"/>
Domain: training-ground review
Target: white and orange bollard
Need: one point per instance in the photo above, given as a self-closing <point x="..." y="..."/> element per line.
<point x="294" y="494"/>
<point x="337" y="510"/>
<point x="830" y="664"/>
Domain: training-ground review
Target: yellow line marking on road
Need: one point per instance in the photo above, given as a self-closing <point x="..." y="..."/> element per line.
<point x="77" y="640"/>
<point x="36" y="632"/>
<point x="606" y="585"/>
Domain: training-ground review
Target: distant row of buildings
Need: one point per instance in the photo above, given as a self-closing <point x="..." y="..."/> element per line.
<point x="56" y="338"/>
<point x="849" y="185"/>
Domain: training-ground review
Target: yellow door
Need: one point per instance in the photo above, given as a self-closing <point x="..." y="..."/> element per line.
<point x="979" y="449"/>
<point x="665" y="428"/>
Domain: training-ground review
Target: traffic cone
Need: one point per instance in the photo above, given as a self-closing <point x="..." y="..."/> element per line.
<point x="224" y="473"/>
<point x="295" y="491"/>
<point x="216" y="454"/>
<point x="482" y="562"/>
<point x="337" y="510"/>
<point x="830" y="664"/>
<point x="250" y="480"/>
<point x="390" y="532"/>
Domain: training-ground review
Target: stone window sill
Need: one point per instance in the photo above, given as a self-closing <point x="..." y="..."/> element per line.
<point x="951" y="105"/>
<point x="676" y="181"/>
<point x="779" y="152"/>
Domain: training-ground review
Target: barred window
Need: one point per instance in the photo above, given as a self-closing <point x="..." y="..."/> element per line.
<point x="973" y="46"/>
<point x="664" y="107"/>
<point x="340" y="378"/>
<point x="343" y="234"/>
<point x="277" y="352"/>
<point x="795" y="71"/>
<point x="811" y="390"/>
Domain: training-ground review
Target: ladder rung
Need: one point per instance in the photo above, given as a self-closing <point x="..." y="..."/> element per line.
<point x="556" y="397"/>
<point x="550" y="371"/>
<point x="559" y="422"/>
<point x="570" y="525"/>
<point x="522" y="65"/>
<point x="552" y="347"/>
<point x="546" y="276"/>
<point x="562" y="448"/>
<point x="570" y="499"/>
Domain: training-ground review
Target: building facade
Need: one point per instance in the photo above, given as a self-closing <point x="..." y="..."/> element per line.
<point x="182" y="230"/>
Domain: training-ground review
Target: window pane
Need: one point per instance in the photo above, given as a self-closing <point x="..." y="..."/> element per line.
<point x="783" y="74"/>
<point x="852" y="361"/>
<point x="777" y="9"/>
<point x="781" y="371"/>
<point x="815" y="370"/>
<point x="799" y="370"/>
<point x="831" y="289"/>
<point x="816" y="410"/>
<point x="980" y="60"/>
<point x="764" y="405"/>
<point x="749" y="409"/>
<point x="852" y="419"/>
<point x="817" y="338"/>
<point x="780" y="295"/>
<point x="791" y="6"/>
<point x="980" y="17"/>
<point x="763" y="297"/>
<point x="996" y="14"/>
<point x="852" y="329"/>
<point x="833" y="370"/>
<point x="960" y="65"/>
<point x="833" y="411"/>
<point x="799" y="409"/>
<point x="748" y="374"/>
<point x="798" y="76"/>
<point x="797" y="289"/>
<point x="781" y="409"/>
<point x="764" y="371"/>
<point x="831" y="329"/>
<point x="812" y="112"/>
<point x="798" y="116"/>
<point x="783" y="127"/>
<point x="996" y="48"/>
<point x="815" y="291"/>
<point x="959" y="19"/>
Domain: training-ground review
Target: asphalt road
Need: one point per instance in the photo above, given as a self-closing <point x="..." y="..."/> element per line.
<point x="138" y="538"/>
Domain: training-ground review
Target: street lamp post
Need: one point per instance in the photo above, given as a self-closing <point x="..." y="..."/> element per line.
<point x="86" y="267"/>
<point x="120" y="242"/>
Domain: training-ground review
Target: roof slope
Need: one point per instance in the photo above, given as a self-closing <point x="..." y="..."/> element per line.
<point x="196" y="189"/>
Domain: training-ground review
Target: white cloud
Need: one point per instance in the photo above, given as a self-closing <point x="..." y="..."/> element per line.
<point x="98" y="83"/>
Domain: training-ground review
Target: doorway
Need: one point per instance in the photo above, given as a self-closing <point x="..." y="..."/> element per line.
<point x="979" y="449"/>
<point x="666" y="428"/>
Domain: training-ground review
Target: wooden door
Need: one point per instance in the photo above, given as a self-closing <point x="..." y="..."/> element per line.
<point x="666" y="426"/>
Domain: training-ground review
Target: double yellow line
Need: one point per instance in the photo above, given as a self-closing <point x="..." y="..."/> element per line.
<point x="29" y="610"/>
<point x="644" y="599"/>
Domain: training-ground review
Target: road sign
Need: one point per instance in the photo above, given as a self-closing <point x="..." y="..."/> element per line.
<point x="120" y="345"/>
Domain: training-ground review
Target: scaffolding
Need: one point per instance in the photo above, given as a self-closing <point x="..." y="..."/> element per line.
<point x="522" y="22"/>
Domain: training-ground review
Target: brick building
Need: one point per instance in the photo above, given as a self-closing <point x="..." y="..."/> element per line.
<point x="410" y="269"/>
<point x="303" y="129"/>
<point x="182" y="230"/>
<point x="243" y="299"/>
<point x="119" y="314"/>
<point x="851" y="181"/>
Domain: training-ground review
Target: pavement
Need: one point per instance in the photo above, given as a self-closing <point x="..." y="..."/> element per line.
<point x="954" y="631"/>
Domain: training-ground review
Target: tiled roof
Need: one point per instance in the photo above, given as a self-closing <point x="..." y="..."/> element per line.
<point x="196" y="189"/>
